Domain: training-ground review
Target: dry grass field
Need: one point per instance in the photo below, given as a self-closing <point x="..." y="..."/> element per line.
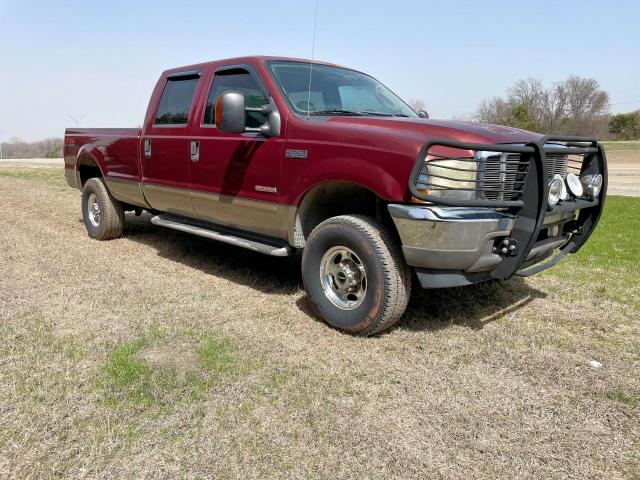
<point x="161" y="355"/>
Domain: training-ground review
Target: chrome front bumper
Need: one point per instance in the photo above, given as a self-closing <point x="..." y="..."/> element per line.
<point x="451" y="246"/>
<point x="450" y="238"/>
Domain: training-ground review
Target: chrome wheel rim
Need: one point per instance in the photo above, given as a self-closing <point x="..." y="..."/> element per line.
<point x="343" y="278"/>
<point x="93" y="209"/>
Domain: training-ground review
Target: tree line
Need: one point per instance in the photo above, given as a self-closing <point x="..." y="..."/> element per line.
<point x="47" y="148"/>
<point x="575" y="106"/>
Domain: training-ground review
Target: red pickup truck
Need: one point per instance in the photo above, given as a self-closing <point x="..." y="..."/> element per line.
<point x="286" y="156"/>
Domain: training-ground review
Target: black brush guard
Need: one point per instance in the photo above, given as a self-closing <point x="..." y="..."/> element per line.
<point x="531" y="208"/>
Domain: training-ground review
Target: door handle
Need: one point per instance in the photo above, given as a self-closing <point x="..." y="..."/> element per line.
<point x="195" y="150"/>
<point x="147" y="148"/>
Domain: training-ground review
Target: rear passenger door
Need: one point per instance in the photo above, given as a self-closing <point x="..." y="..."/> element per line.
<point x="166" y="146"/>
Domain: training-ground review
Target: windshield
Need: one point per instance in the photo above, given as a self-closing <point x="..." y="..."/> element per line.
<point x="336" y="91"/>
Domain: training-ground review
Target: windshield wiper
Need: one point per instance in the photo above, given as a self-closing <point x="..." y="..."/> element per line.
<point x="383" y="114"/>
<point x="336" y="111"/>
<point x="341" y="111"/>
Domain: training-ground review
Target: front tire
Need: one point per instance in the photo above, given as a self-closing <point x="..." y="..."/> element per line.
<point x="355" y="275"/>
<point x="102" y="214"/>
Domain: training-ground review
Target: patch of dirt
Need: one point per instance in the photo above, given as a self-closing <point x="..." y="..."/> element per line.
<point x="180" y="358"/>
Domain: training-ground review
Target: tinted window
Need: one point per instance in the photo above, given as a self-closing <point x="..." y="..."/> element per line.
<point x="176" y="100"/>
<point x="236" y="80"/>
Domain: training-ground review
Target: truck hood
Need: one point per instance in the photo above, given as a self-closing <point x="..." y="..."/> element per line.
<point x="420" y="130"/>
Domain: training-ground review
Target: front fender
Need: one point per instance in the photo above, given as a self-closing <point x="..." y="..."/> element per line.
<point x="359" y="172"/>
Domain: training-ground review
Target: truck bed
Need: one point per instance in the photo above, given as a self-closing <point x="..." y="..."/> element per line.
<point x="117" y="151"/>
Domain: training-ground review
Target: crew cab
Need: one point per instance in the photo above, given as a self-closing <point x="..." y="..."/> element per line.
<point x="286" y="157"/>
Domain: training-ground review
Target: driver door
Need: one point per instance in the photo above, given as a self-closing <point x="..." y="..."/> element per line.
<point x="235" y="180"/>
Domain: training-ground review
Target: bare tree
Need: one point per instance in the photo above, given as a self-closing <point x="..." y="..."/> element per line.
<point x="417" y="104"/>
<point x="530" y="94"/>
<point x="574" y="106"/>
<point x="585" y="103"/>
<point x="494" y="110"/>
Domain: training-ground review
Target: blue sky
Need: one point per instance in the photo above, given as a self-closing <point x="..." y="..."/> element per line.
<point x="102" y="59"/>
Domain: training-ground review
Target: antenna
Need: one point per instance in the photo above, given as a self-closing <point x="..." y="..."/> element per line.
<point x="313" y="51"/>
<point x="77" y="120"/>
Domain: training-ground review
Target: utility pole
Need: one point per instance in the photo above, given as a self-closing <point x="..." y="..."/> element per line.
<point x="77" y="120"/>
<point x="1" y="134"/>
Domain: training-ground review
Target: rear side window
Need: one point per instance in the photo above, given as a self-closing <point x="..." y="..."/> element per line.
<point x="176" y="100"/>
<point x="236" y="80"/>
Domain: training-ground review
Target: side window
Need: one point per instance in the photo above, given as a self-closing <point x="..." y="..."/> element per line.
<point x="236" y="80"/>
<point x="176" y="100"/>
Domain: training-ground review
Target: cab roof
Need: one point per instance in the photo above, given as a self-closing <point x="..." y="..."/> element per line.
<point x="248" y="59"/>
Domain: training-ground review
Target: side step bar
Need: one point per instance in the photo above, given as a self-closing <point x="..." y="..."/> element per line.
<point x="257" y="246"/>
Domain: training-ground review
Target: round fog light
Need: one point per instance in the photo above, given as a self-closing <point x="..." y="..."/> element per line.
<point x="575" y="187"/>
<point x="595" y="185"/>
<point x="563" y="194"/>
<point x="555" y="191"/>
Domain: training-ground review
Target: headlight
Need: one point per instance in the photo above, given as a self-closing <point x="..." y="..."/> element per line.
<point x="452" y="178"/>
<point x="592" y="184"/>
<point x="555" y="191"/>
<point x="575" y="187"/>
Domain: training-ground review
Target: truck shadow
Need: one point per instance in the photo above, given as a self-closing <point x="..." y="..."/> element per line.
<point x="474" y="306"/>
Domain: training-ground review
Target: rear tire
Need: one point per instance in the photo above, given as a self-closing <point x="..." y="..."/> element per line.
<point x="355" y="275"/>
<point x="102" y="214"/>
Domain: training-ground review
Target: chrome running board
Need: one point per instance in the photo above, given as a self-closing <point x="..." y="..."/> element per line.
<point x="257" y="246"/>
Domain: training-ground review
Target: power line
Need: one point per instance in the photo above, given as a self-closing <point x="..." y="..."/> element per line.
<point x="623" y="103"/>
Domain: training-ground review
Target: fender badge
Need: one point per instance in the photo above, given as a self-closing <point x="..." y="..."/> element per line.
<point x="262" y="188"/>
<point x="295" y="153"/>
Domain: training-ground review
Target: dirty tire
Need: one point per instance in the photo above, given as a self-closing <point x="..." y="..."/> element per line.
<point x="110" y="222"/>
<point x="388" y="278"/>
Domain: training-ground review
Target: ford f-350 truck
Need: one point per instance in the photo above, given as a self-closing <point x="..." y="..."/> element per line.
<point x="286" y="156"/>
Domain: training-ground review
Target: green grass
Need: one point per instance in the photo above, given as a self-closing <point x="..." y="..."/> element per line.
<point x="621" y="145"/>
<point x="623" y="397"/>
<point x="54" y="176"/>
<point x="606" y="267"/>
<point x="615" y="243"/>
<point x="217" y="355"/>
<point x="127" y="380"/>
<point x="125" y="375"/>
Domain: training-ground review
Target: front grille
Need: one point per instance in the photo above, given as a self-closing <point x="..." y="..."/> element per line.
<point x="504" y="172"/>
<point x="556" y="165"/>
<point x="503" y="177"/>
<point x="489" y="175"/>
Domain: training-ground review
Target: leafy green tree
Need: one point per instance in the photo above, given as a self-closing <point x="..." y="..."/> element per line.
<point x="625" y="126"/>
<point x="520" y="118"/>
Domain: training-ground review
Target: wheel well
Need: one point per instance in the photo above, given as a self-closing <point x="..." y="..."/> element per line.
<point x="87" y="169"/>
<point x="331" y="199"/>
